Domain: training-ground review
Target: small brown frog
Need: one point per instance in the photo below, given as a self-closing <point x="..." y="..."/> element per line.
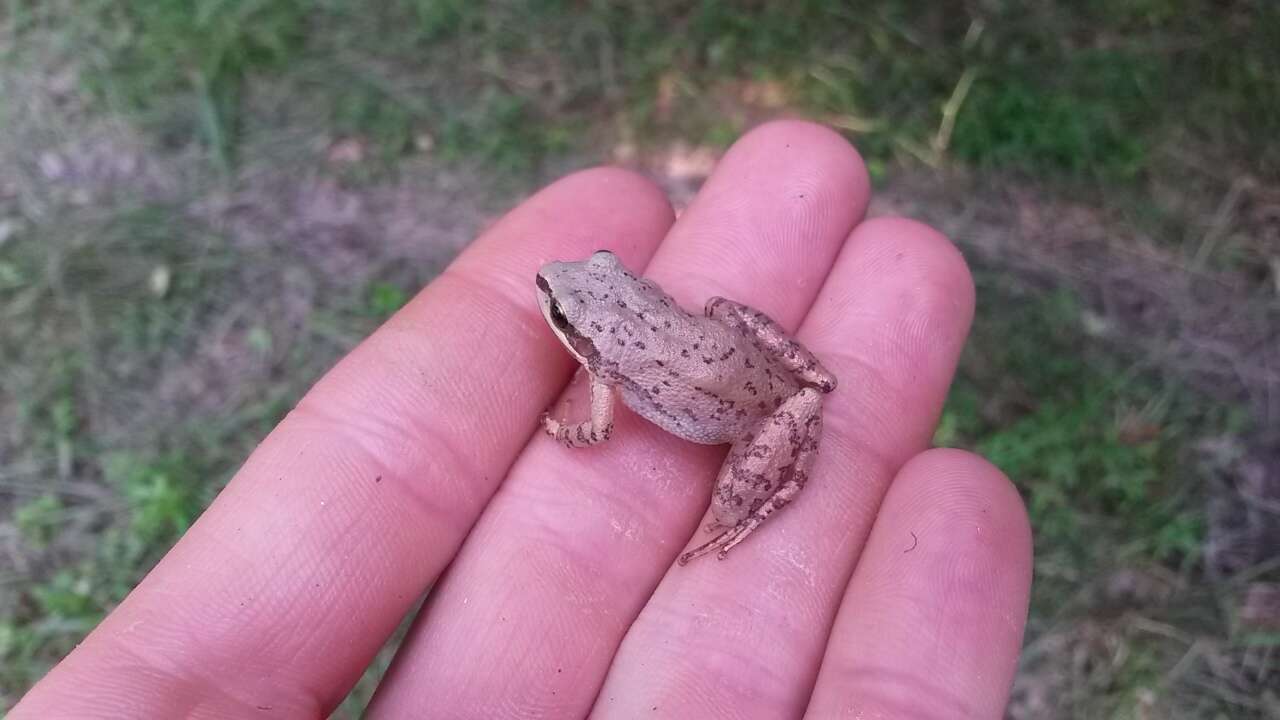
<point x="731" y="375"/>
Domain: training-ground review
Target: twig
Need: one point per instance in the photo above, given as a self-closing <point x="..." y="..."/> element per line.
<point x="1226" y="693"/>
<point x="1184" y="663"/>
<point x="1221" y="220"/>
<point x="1265" y="504"/>
<point x="951" y="109"/>
<point x="1146" y="624"/>
<point x="853" y="123"/>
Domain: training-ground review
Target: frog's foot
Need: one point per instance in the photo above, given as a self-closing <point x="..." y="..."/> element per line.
<point x="575" y="435"/>
<point x="725" y="541"/>
<point x="588" y="432"/>
<point x="711" y="545"/>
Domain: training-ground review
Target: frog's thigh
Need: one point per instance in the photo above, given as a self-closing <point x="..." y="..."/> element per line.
<point x="595" y="429"/>
<point x="771" y="338"/>
<point x="763" y="474"/>
<point x="756" y="469"/>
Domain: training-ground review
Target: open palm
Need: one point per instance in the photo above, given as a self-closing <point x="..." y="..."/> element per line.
<point x="894" y="586"/>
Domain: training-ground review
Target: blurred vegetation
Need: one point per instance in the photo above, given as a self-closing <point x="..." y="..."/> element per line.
<point x="1093" y="100"/>
<point x="1091" y="90"/>
<point x="1098" y="450"/>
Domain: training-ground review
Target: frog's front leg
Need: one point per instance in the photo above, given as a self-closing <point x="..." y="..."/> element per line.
<point x="596" y="428"/>
<point x="764" y="471"/>
<point x="773" y="340"/>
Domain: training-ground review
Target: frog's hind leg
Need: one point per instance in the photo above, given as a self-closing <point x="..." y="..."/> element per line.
<point x="763" y="473"/>
<point x="773" y="340"/>
<point x="595" y="429"/>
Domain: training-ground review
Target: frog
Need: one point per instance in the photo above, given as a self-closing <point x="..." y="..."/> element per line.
<point x="731" y="375"/>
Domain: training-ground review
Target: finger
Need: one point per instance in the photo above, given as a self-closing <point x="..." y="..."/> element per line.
<point x="567" y="553"/>
<point x="743" y="637"/>
<point x="283" y="590"/>
<point x="932" y="621"/>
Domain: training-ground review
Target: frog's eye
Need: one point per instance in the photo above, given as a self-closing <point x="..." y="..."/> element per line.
<point x="558" y="316"/>
<point x="604" y="257"/>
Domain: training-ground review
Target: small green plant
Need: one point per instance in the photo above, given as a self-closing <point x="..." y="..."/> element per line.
<point x="1031" y="123"/>
<point x="384" y="299"/>
<point x="365" y="110"/>
<point x="39" y="519"/>
<point x="438" y="19"/>
<point x="161" y="493"/>
<point x="67" y="595"/>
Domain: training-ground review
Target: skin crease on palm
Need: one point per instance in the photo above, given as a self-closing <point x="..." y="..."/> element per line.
<point x="895" y="585"/>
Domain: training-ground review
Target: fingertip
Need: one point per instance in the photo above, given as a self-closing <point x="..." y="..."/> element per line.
<point x="969" y="499"/>
<point x="894" y="242"/>
<point x="606" y="183"/>
<point x="815" y="144"/>
<point x="891" y="321"/>
<point x="933" y="617"/>
<point x="786" y="190"/>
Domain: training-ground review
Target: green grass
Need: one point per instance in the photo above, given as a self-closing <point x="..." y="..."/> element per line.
<point x="81" y="318"/>
<point x="1082" y="91"/>
<point x="160" y="498"/>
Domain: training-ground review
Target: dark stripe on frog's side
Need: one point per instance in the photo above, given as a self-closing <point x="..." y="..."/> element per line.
<point x="581" y="343"/>
<point x="542" y="284"/>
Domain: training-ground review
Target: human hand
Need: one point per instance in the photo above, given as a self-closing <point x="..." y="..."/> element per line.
<point x="894" y="586"/>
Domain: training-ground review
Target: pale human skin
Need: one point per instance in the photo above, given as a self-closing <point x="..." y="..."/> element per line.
<point x="731" y="375"/>
<point x="421" y="451"/>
